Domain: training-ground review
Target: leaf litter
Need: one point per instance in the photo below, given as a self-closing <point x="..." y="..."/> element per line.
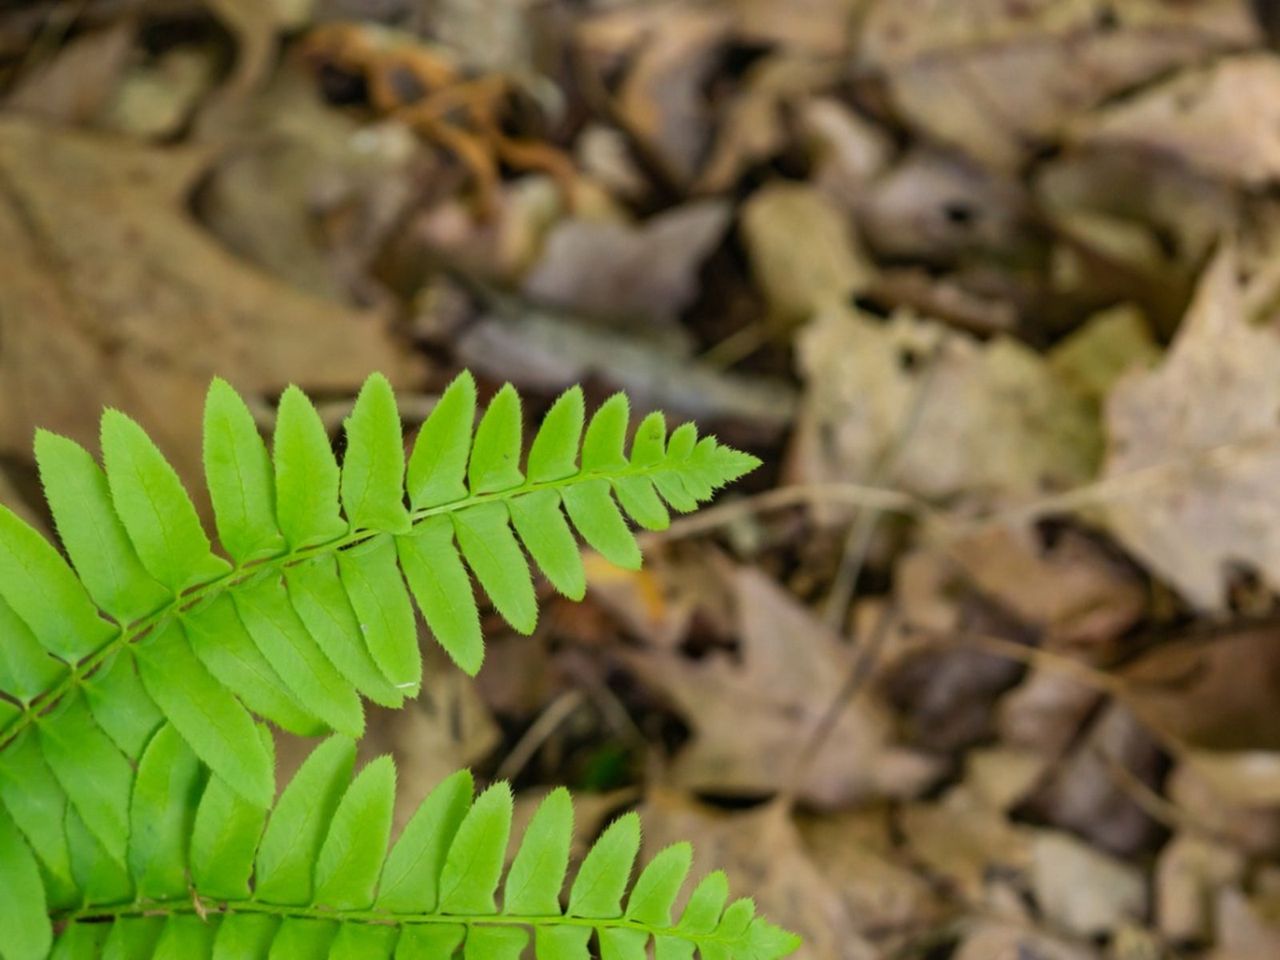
<point x="982" y="664"/>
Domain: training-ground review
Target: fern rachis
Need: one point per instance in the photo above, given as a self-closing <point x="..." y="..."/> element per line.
<point x="131" y="683"/>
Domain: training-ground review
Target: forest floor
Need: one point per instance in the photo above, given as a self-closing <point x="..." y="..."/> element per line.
<point x="984" y="662"/>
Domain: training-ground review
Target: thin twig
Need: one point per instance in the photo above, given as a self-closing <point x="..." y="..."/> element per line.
<point x="557" y="712"/>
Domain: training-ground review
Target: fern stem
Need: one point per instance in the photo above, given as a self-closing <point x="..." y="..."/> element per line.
<point x="83" y="670"/>
<point x="204" y="907"/>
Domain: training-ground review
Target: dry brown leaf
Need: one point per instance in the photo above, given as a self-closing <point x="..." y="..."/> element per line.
<point x="751" y="712"/>
<point x="1000" y="79"/>
<point x="111" y="295"/>
<point x="763" y="852"/>
<point x="309" y="193"/>
<point x="672" y="48"/>
<point x="1045" y="711"/>
<point x="964" y="842"/>
<point x="886" y="901"/>
<point x="803" y="251"/>
<point x="1082" y="890"/>
<point x="1219" y="695"/>
<point x="994" y="940"/>
<point x="959" y="418"/>
<point x="753" y="127"/>
<point x="1246" y="929"/>
<point x="1189" y="874"/>
<point x="1071" y="589"/>
<point x="73" y="86"/>
<point x="1206" y="417"/>
<point x="1095" y="791"/>
<point x="816" y="27"/>
<point x="1108" y="345"/>
<point x="939" y="208"/>
<point x="647" y="271"/>
<point x="1223" y="120"/>
<point x="543" y="351"/>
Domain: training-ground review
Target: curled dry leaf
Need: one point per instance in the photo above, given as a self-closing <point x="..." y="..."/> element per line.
<point x="542" y="351"/>
<point x="1192" y="482"/>
<point x="1081" y="889"/>
<point x="646" y="272"/>
<point x="736" y="750"/>
<point x="1223" y="119"/>
<point x="1190" y="873"/>
<point x="670" y="49"/>
<point x="803" y="251"/>
<point x="998" y="79"/>
<point x="986" y="422"/>
<point x="111" y="295"/>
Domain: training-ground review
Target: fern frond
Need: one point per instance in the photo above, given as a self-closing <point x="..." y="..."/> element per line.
<point x="324" y="884"/>
<point x="312" y="606"/>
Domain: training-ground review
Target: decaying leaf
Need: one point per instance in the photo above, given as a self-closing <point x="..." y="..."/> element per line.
<point x="1081" y="889"/>
<point x="1223" y="120"/>
<point x="983" y="422"/>
<point x="762" y="851"/>
<point x="803" y="251"/>
<point x="789" y="669"/>
<point x="547" y="352"/>
<point x="111" y="295"/>
<point x="1199" y="498"/>
<point x="647" y="272"/>
<point x="1000" y="79"/>
<point x="671" y="48"/>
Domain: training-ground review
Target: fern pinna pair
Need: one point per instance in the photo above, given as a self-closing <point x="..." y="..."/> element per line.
<point x="138" y="809"/>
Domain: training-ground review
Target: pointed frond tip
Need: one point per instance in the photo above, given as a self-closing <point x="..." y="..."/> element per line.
<point x="304" y="604"/>
<point x="202" y="877"/>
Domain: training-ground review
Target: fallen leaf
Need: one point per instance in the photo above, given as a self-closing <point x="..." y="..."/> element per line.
<point x="1219" y="695"/>
<point x="670" y="50"/>
<point x="1105" y="347"/>
<point x="74" y="85"/>
<point x="1070" y="590"/>
<point x="1254" y="831"/>
<point x="964" y="842"/>
<point x="814" y="27"/>
<point x="310" y="193"/>
<point x="848" y="151"/>
<point x="1081" y="889"/>
<point x="1001" y="80"/>
<point x="939" y="208"/>
<point x="1245" y="930"/>
<point x="111" y="295"/>
<point x="958" y="418"/>
<point x="888" y="903"/>
<point x="1223" y="119"/>
<point x="1190" y="873"/>
<point x="1205" y="504"/>
<point x="155" y="99"/>
<point x="994" y="940"/>
<point x="751" y="712"/>
<point x="1045" y="711"/>
<point x="754" y="127"/>
<point x="762" y="851"/>
<point x="541" y="351"/>
<point x="803" y="252"/>
<point x="1091" y="791"/>
<point x="647" y="272"/>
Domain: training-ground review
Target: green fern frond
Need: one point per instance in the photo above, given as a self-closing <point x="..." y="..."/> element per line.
<point x="207" y="874"/>
<point x="311" y="607"/>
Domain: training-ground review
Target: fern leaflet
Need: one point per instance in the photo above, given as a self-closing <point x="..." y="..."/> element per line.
<point x="151" y="653"/>
<point x="319" y="881"/>
<point x="311" y="610"/>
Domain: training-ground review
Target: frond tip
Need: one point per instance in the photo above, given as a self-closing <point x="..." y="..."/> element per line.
<point x="320" y="875"/>
<point x="312" y="606"/>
